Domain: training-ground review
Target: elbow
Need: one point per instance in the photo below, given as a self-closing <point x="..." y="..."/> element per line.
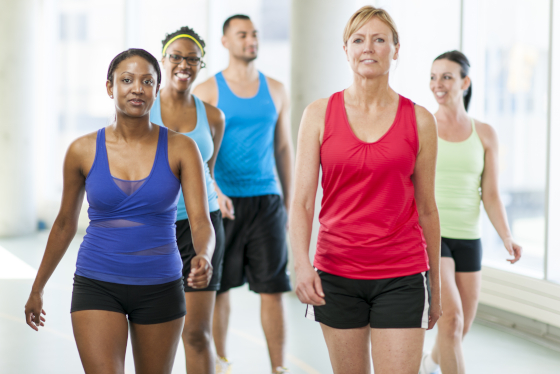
<point x="65" y="226"/>
<point x="490" y="198"/>
<point x="428" y="212"/>
<point x="305" y="207"/>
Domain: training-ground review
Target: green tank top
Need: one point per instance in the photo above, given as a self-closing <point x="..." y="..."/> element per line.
<point x="458" y="195"/>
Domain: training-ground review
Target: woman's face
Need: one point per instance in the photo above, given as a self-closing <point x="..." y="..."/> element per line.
<point x="134" y="86"/>
<point x="181" y="76"/>
<point x="370" y="50"/>
<point x="446" y="83"/>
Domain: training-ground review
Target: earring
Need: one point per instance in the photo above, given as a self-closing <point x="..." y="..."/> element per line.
<point x="111" y="96"/>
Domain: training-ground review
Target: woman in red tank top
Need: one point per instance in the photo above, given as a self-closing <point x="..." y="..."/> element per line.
<point x="379" y="225"/>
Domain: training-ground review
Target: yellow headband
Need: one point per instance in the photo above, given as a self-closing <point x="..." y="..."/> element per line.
<point x="183" y="36"/>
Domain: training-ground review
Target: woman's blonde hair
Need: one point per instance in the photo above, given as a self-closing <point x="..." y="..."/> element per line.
<point x="363" y="16"/>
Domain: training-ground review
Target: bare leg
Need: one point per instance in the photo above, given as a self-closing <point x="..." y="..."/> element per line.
<point x="154" y="346"/>
<point x="101" y="337"/>
<point x="221" y="322"/>
<point x="348" y="349"/>
<point x="397" y="351"/>
<point x="274" y="326"/>
<point x="448" y="351"/>
<point x="468" y="285"/>
<point x="197" y="332"/>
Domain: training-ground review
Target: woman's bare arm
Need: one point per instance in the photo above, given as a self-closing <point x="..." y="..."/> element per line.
<point x="217" y="120"/>
<point x="424" y="194"/>
<point x="191" y="174"/>
<point x="308" y="283"/>
<point x="490" y="191"/>
<point x="80" y="152"/>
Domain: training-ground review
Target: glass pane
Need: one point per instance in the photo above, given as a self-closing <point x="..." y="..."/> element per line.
<point x="510" y="80"/>
<point x="554" y="194"/>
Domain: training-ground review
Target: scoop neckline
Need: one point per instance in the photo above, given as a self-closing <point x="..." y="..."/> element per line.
<point x="382" y="136"/>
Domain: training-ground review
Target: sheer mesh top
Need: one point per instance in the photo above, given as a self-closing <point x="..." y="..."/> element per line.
<point x="131" y="235"/>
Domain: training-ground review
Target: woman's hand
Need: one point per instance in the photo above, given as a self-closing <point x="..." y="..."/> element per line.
<point x="435" y="309"/>
<point x="513" y="249"/>
<point x="308" y="287"/>
<point x="34" y="309"/>
<point x="226" y="206"/>
<point x="201" y="272"/>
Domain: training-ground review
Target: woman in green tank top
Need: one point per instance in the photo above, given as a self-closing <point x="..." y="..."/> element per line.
<point x="466" y="174"/>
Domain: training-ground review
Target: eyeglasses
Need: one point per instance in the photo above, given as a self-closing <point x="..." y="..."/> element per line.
<point x="191" y="61"/>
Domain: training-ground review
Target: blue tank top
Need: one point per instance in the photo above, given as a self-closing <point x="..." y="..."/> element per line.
<point x="202" y="135"/>
<point x="131" y="235"/>
<point x="245" y="164"/>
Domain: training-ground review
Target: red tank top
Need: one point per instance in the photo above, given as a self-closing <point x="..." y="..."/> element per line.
<point x="369" y="222"/>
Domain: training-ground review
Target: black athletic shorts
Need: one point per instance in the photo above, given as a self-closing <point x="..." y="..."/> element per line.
<point x="390" y="303"/>
<point x="467" y="253"/>
<point x="145" y="305"/>
<point x="255" y="247"/>
<point x="186" y="249"/>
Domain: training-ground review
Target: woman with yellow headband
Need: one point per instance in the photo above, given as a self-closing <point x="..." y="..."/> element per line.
<point x="179" y="110"/>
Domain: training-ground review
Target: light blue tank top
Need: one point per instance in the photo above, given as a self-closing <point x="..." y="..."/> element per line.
<point x="245" y="164"/>
<point x="202" y="135"/>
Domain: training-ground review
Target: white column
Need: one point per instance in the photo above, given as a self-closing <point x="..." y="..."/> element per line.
<point x="17" y="65"/>
<point x="319" y="66"/>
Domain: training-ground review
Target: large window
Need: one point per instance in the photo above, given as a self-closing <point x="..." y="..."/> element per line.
<point x="553" y="248"/>
<point x="508" y="45"/>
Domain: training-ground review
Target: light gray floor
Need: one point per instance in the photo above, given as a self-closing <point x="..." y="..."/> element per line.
<point x="52" y="349"/>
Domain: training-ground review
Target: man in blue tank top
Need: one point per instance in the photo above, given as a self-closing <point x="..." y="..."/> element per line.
<point x="256" y="140"/>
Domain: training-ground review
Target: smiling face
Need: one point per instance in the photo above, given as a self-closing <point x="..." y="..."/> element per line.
<point x="371" y="49"/>
<point x="446" y="83"/>
<point x="241" y="39"/>
<point x="134" y="86"/>
<point x="181" y="76"/>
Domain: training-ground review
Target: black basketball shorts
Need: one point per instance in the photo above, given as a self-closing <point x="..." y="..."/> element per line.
<point x="390" y="303"/>
<point x="255" y="246"/>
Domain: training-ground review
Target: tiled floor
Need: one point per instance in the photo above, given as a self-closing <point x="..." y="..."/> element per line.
<point x="52" y="350"/>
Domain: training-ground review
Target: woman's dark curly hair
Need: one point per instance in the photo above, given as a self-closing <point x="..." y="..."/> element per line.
<point x="187" y="31"/>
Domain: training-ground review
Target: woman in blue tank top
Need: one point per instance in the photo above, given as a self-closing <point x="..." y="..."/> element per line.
<point x="177" y="109"/>
<point x="128" y="263"/>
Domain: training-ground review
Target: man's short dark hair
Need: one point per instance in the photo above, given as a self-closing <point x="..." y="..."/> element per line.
<point x="236" y="16"/>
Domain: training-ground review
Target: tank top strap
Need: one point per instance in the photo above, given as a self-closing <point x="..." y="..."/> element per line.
<point x="406" y="117"/>
<point x="224" y="93"/>
<point x="334" y="115"/>
<point x="201" y="118"/>
<point x="101" y="153"/>
<point x="161" y="152"/>
<point x="155" y="113"/>
<point x="264" y="92"/>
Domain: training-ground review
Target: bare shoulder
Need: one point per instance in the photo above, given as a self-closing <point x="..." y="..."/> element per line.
<point x="425" y="120"/>
<point x="214" y="114"/>
<point x="488" y="136"/>
<point x="81" y="153"/>
<point x="84" y="146"/>
<point x="207" y="90"/>
<point x="178" y="142"/>
<point x="317" y="109"/>
<point x="313" y="118"/>
<point x="275" y="85"/>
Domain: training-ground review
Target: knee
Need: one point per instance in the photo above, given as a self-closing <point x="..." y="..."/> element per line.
<point x="271" y="298"/>
<point x="197" y="338"/>
<point x="466" y="328"/>
<point x="451" y="326"/>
